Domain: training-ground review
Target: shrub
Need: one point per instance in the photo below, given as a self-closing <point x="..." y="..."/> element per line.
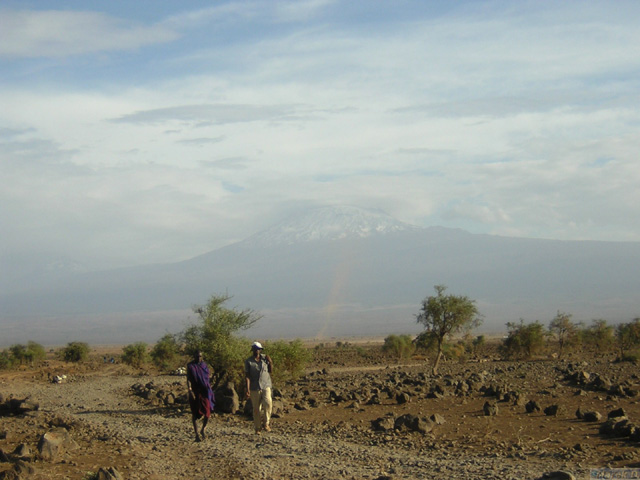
<point x="75" y="352"/>
<point x="5" y="359"/>
<point x="135" y="354"/>
<point x="628" y="336"/>
<point x="214" y="336"/>
<point x="289" y="358"/>
<point x="401" y="346"/>
<point x="523" y="340"/>
<point x="599" y="336"/>
<point x="166" y="352"/>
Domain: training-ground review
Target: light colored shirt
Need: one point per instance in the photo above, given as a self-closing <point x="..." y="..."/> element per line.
<point x="258" y="373"/>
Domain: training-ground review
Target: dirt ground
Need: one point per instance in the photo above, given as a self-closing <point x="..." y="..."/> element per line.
<point x="316" y="436"/>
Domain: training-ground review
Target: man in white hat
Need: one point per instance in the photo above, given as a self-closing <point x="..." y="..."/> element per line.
<point x="257" y="369"/>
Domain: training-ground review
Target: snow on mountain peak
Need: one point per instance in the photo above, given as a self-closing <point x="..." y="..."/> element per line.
<point x="329" y="223"/>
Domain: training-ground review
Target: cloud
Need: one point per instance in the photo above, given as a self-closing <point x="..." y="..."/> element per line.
<point x="210" y="114"/>
<point x="53" y="33"/>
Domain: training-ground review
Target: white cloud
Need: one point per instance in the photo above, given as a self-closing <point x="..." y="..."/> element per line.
<point x="64" y="33"/>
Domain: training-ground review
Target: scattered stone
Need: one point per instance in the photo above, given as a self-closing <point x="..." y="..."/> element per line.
<point x="532" y="406"/>
<point x="227" y="399"/>
<point x="559" y="475"/>
<point x="618" y="413"/>
<point x="553" y="410"/>
<point x="108" y="474"/>
<point x="490" y="409"/>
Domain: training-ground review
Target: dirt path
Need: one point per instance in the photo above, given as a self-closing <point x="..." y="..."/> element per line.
<point x="114" y="428"/>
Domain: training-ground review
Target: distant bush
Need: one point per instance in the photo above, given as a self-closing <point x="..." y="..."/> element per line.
<point x="523" y="340"/>
<point x="135" y="354"/>
<point x="599" y="337"/>
<point x="31" y="353"/>
<point x="75" y="352"/>
<point x="628" y="336"/>
<point x="401" y="346"/>
<point x="5" y="359"/>
<point x="289" y="358"/>
<point x="166" y="352"/>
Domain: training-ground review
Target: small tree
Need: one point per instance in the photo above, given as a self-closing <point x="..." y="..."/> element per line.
<point x="599" y="336"/>
<point x="5" y="359"/>
<point x="75" y="352"/>
<point x="564" y="330"/>
<point x="628" y="336"/>
<point x="401" y="346"/>
<point x="446" y="315"/>
<point x="166" y="352"/>
<point x="523" y="340"/>
<point x="135" y="354"/>
<point x="214" y="335"/>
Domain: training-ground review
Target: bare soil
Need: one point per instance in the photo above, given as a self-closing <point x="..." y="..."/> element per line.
<point x="325" y="428"/>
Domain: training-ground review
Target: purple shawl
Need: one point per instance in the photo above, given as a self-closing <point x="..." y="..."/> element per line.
<point x="198" y="375"/>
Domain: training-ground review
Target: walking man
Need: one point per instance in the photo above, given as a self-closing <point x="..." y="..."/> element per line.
<point x="257" y="369"/>
<point x="201" y="399"/>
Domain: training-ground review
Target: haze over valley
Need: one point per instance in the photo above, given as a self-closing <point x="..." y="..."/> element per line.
<point x="332" y="272"/>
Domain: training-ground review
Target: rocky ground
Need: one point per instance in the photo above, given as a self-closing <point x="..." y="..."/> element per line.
<point x="354" y="415"/>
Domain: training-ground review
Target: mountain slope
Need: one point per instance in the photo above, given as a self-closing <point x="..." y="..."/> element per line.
<point x="348" y="272"/>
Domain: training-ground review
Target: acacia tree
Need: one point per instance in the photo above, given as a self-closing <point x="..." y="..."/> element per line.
<point x="628" y="336"/>
<point x="214" y="336"/>
<point x="445" y="315"/>
<point x="564" y="330"/>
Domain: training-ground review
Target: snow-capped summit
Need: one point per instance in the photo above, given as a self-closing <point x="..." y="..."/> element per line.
<point x="329" y="223"/>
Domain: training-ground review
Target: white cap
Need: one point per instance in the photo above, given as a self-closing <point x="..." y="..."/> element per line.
<point x="257" y="345"/>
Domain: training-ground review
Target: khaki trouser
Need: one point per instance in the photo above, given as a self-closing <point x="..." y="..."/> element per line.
<point x="262" y="405"/>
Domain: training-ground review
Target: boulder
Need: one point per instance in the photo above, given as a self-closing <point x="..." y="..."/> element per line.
<point x="54" y="443"/>
<point x="413" y="423"/>
<point x="227" y="399"/>
<point x="559" y="475"/>
<point x="383" y="424"/>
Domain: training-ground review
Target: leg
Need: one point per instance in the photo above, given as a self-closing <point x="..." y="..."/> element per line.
<point x="255" y="404"/>
<point x="205" y="421"/>
<point x="267" y="407"/>
<point x="195" y="427"/>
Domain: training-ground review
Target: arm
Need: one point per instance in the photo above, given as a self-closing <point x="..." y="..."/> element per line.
<point x="269" y="363"/>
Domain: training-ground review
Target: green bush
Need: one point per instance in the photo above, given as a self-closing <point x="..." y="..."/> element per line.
<point x="135" y="354"/>
<point x="214" y="336"/>
<point x="289" y="358"/>
<point x="523" y="340"/>
<point x="5" y="360"/>
<point x="75" y="352"/>
<point x="31" y="353"/>
<point x="599" y="337"/>
<point x="401" y="346"/>
<point x="166" y="353"/>
<point x="628" y="336"/>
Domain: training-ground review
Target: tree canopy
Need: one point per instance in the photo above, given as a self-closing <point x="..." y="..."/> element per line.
<point x="446" y="315"/>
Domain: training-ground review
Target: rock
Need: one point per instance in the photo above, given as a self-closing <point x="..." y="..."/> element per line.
<point x="618" y="413"/>
<point x="54" y="443"/>
<point x="108" y="474"/>
<point x="592" y="416"/>
<point x="490" y="409"/>
<point x="402" y="398"/>
<point x="437" y="419"/>
<point x="413" y="423"/>
<point x="532" y="406"/>
<point x="227" y="399"/>
<point x="552" y="410"/>
<point x="383" y="424"/>
<point x="23" y="469"/>
<point x="3" y="457"/>
<point x="559" y="475"/>
<point x="20" y="406"/>
<point x="22" y="451"/>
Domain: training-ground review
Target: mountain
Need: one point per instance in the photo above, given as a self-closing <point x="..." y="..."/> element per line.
<point x="334" y="272"/>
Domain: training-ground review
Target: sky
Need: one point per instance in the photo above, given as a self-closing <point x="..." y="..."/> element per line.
<point x="154" y="131"/>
